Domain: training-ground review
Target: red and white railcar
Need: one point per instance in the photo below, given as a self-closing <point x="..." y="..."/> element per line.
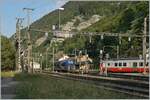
<point x="124" y="65"/>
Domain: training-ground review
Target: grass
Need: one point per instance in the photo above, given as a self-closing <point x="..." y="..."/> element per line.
<point x="6" y="74"/>
<point x="41" y="86"/>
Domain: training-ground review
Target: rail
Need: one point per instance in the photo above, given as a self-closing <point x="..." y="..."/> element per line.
<point x="133" y="87"/>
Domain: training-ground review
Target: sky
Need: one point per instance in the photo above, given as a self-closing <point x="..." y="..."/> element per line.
<point x="10" y="9"/>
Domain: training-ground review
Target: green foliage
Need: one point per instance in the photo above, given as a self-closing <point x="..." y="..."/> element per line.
<point x="7" y="54"/>
<point x="6" y="74"/>
<point x="77" y="42"/>
<point x="72" y="9"/>
<point x="141" y="11"/>
<point x="128" y="20"/>
<point x="77" y="23"/>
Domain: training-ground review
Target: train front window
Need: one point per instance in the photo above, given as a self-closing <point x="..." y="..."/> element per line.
<point x="134" y="64"/>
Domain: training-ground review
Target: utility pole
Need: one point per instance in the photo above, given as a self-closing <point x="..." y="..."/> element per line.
<point x="0" y="26"/>
<point x="0" y="34"/>
<point x="29" y="57"/>
<point x="118" y="47"/>
<point x="149" y="41"/>
<point x="59" y="16"/>
<point x="117" y="51"/>
<point x="75" y="55"/>
<point x="144" y="43"/>
<point x="59" y="19"/>
<point x="41" y="61"/>
<point x="18" y="25"/>
<point x="46" y="58"/>
<point x="53" y="58"/>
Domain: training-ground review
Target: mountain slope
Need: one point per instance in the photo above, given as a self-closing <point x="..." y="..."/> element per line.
<point x="117" y="16"/>
<point x="72" y="9"/>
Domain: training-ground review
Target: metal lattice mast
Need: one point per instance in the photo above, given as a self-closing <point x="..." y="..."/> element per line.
<point x="18" y="27"/>
<point x="29" y="57"/>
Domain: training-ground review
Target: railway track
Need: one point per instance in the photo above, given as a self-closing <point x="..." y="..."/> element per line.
<point x="125" y="76"/>
<point x="138" y="88"/>
<point x="130" y="76"/>
<point x="134" y="76"/>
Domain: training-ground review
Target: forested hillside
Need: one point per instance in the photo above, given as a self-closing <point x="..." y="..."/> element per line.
<point x="117" y="17"/>
<point x="75" y="8"/>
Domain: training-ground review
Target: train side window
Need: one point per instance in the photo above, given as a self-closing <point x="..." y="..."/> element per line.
<point x="147" y="64"/>
<point x="134" y="64"/>
<point x="141" y="64"/>
<point x="124" y="64"/>
<point x="120" y="64"/>
<point x="116" y="64"/>
<point x="108" y="64"/>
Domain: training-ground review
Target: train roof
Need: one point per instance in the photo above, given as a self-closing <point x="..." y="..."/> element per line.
<point x="125" y="59"/>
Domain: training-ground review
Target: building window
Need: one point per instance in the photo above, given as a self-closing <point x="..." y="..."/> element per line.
<point x="141" y="64"/>
<point x="120" y="64"/>
<point x="124" y="64"/>
<point x="134" y="64"/>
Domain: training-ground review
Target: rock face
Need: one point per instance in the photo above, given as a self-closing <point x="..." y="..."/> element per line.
<point x="40" y="40"/>
<point x="77" y="23"/>
<point x="94" y="19"/>
<point x="69" y="26"/>
<point x="85" y="24"/>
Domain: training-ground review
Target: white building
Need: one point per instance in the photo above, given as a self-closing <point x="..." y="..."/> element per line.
<point x="35" y="65"/>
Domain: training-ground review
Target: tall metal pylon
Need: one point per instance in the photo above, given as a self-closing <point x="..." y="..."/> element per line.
<point x="18" y="36"/>
<point x="29" y="57"/>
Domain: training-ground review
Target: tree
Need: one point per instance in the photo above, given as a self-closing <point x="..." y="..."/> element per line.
<point x="7" y="54"/>
<point x="141" y="11"/>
